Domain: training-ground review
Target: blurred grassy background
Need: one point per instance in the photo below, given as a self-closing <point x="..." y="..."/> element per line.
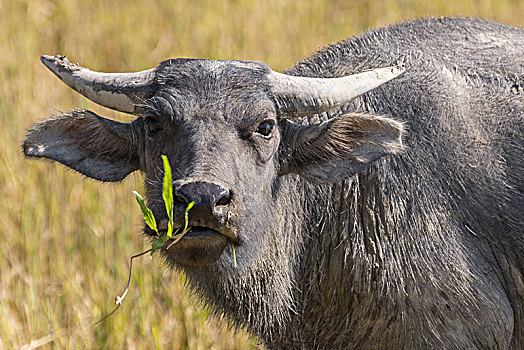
<point x="65" y="242"/>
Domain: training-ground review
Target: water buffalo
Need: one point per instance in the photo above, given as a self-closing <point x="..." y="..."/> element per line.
<point x="374" y="191"/>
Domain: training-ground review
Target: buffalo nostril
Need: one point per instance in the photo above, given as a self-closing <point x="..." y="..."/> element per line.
<point x="224" y="198"/>
<point x="180" y="198"/>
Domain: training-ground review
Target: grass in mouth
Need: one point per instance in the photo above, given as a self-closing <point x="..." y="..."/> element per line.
<point x="161" y="237"/>
<point x="167" y="194"/>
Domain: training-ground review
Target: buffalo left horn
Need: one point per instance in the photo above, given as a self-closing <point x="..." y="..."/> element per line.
<point x="303" y="96"/>
<point x="118" y="91"/>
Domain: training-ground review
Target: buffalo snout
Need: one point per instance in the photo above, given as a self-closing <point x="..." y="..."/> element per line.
<point x="213" y="206"/>
<point x="204" y="194"/>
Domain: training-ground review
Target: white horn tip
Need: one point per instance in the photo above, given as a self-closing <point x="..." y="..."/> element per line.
<point x="58" y="63"/>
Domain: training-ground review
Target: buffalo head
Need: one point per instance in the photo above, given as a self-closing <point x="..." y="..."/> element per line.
<point x="225" y="127"/>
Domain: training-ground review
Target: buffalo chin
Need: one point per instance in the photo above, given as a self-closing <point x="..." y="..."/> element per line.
<point x="199" y="246"/>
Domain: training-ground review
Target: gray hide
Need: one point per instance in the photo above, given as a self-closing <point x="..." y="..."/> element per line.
<point x="346" y="235"/>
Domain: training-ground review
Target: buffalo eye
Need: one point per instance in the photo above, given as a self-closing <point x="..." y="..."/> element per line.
<point x="153" y="125"/>
<point x="265" y="128"/>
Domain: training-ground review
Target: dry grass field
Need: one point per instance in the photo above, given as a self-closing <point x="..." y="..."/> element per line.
<point x="65" y="241"/>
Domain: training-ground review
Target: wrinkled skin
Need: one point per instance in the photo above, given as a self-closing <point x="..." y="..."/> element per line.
<point x="343" y="240"/>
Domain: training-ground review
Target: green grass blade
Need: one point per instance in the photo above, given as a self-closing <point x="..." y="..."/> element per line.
<point x="157" y="244"/>
<point x="167" y="194"/>
<point x="148" y="214"/>
<point x="186" y="216"/>
<point x="234" y="256"/>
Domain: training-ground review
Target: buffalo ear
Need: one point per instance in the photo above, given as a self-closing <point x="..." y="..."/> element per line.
<point x="339" y="147"/>
<point x="99" y="148"/>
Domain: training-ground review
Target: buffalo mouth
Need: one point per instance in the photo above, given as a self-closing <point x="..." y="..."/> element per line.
<point x="199" y="246"/>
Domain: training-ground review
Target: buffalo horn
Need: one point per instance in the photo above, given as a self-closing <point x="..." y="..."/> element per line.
<point x="302" y="96"/>
<point x="118" y="91"/>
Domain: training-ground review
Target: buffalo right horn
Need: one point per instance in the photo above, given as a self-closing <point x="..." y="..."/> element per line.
<point x="303" y="96"/>
<point x="118" y="91"/>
